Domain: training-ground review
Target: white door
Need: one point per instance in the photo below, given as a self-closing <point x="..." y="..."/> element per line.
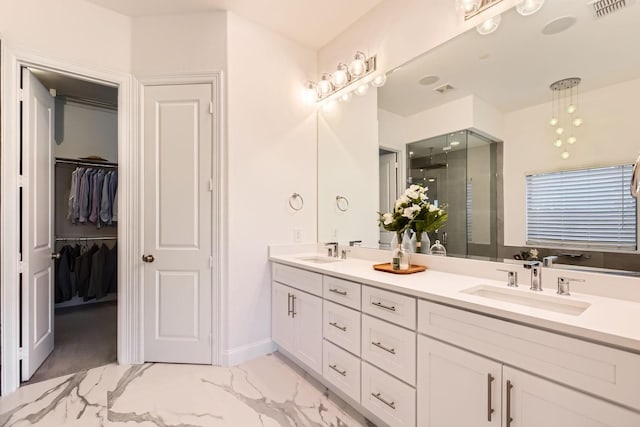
<point x="534" y="402"/>
<point x="388" y="181"/>
<point x="457" y="388"/>
<point x="307" y="329"/>
<point x="178" y="217"/>
<point x="281" y="320"/>
<point x="37" y="224"/>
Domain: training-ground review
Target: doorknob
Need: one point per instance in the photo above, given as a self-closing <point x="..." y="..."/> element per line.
<point x="148" y="258"/>
<point x="55" y="255"/>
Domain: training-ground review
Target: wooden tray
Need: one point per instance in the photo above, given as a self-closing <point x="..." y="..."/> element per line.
<point x="389" y="269"/>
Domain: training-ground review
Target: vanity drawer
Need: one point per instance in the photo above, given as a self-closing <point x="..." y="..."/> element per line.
<point x="390" y="348"/>
<point x="594" y="368"/>
<point x="341" y="369"/>
<point x="395" y="308"/>
<point x="342" y="291"/>
<point x="301" y="279"/>
<point x="341" y="325"/>
<point x="388" y="398"/>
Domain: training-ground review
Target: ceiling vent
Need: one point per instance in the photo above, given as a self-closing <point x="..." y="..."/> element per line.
<point x="606" y="7"/>
<point x="444" y="88"/>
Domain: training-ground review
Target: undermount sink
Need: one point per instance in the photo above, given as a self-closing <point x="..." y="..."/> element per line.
<point x="318" y="259"/>
<point x="534" y="300"/>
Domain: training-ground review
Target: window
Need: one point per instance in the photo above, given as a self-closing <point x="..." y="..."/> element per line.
<point x="587" y="208"/>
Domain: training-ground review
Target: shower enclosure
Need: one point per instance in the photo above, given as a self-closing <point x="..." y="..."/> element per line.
<point x="459" y="170"/>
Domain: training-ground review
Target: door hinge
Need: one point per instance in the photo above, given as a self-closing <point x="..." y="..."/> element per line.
<point x="21" y="353"/>
<point x="20" y="180"/>
<point x="396" y="165"/>
<point x="211" y="107"/>
<point x="210" y="184"/>
<point x="20" y="95"/>
<point x="211" y="261"/>
<point x="21" y="266"/>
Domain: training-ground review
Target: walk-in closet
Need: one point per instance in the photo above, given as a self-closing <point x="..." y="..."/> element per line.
<point x="84" y="196"/>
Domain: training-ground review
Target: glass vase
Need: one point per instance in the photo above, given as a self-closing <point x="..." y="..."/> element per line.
<point x="423" y="246"/>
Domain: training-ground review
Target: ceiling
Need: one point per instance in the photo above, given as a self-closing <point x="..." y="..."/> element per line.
<point x="513" y="67"/>
<point x="71" y="87"/>
<point x="308" y="22"/>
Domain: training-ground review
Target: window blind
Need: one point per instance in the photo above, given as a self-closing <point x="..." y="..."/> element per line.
<point x="587" y="208"/>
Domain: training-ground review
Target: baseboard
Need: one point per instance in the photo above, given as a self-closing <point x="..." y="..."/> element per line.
<point x="238" y="355"/>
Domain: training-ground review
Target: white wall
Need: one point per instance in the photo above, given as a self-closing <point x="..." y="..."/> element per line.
<point x="179" y="44"/>
<point x="83" y="131"/>
<point x="74" y="31"/>
<point x="271" y="154"/>
<point x="606" y="138"/>
<point x="348" y="166"/>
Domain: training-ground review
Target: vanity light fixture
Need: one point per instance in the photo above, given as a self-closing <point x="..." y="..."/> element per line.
<point x="529" y="7"/>
<point x="471" y="8"/>
<point x="489" y="26"/>
<point x="564" y="112"/>
<point x="346" y="79"/>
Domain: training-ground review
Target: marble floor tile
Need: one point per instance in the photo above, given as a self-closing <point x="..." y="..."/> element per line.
<point x="267" y="391"/>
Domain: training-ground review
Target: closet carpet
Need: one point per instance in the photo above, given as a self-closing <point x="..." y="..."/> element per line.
<point x="85" y="338"/>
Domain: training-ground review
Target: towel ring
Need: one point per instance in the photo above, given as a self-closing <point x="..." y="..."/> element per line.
<point x="342" y="203"/>
<point x="292" y="202"/>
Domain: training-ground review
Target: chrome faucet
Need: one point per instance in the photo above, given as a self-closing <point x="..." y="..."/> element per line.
<point x="332" y="250"/>
<point x="536" y="274"/>
<point x="549" y="260"/>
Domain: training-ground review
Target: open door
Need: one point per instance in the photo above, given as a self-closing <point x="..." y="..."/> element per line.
<point x="37" y="279"/>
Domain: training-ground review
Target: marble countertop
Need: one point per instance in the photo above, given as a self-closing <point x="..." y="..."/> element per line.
<point x="608" y="321"/>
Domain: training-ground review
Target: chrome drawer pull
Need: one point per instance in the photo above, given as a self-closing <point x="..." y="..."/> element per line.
<point x="386" y="307"/>
<point x="334" y="367"/>
<point x="391" y="405"/>
<point x="509" y="419"/>
<point x="387" y="349"/>
<point x="489" y="405"/>
<point x="335" y="325"/>
<point x="339" y="292"/>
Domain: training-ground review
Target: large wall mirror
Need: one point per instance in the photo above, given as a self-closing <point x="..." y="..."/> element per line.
<point x="495" y="91"/>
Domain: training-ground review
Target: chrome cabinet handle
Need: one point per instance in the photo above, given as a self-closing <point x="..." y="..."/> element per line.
<point x="335" y="368"/>
<point x="509" y="418"/>
<point x="339" y="292"/>
<point x="148" y="258"/>
<point x="391" y="405"/>
<point x="335" y="325"/>
<point x="387" y="349"/>
<point x="289" y="310"/>
<point x="293" y="305"/>
<point x="489" y="405"/>
<point x="386" y="307"/>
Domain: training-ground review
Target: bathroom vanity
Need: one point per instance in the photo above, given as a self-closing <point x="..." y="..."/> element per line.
<point x="444" y="349"/>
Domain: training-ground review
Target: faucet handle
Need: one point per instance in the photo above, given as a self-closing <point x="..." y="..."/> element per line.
<point x="549" y="260"/>
<point x="343" y="254"/>
<point x="563" y="285"/>
<point x="530" y="264"/>
<point x="512" y="277"/>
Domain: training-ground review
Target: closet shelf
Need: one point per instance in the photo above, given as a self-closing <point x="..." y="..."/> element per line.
<point x="78" y="162"/>
<point x="77" y="238"/>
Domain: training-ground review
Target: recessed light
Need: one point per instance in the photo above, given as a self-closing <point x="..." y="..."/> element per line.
<point x="428" y="80"/>
<point x="454" y="143"/>
<point x="559" y="25"/>
<point x="432" y="179"/>
<point x="411" y="153"/>
<point x="447" y="148"/>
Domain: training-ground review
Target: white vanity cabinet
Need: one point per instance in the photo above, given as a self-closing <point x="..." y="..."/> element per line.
<point x="296" y="316"/>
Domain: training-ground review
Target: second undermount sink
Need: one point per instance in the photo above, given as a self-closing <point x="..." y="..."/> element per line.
<point x="535" y="300"/>
<point x="318" y="259"/>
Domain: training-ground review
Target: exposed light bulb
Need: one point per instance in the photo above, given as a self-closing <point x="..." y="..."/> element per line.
<point x="358" y="67"/>
<point x="577" y="122"/>
<point x="571" y="109"/>
<point x="379" y="80"/>
<point x="362" y="89"/>
<point x="489" y="26"/>
<point x="345" y="97"/>
<point x="309" y="94"/>
<point x="553" y="121"/>
<point x="329" y="106"/>
<point x="341" y="76"/>
<point x="565" y="155"/>
<point x="557" y="143"/>
<point x="529" y="7"/>
<point x="572" y="139"/>
<point x="560" y="131"/>
<point x="324" y="86"/>
<point x="467" y="6"/>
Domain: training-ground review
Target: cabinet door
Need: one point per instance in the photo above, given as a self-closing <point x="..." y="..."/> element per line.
<point x="307" y="329"/>
<point x="533" y="402"/>
<point x="281" y="320"/>
<point x="456" y="388"/>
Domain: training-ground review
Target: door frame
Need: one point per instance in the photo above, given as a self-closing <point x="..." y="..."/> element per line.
<point x="129" y="295"/>
<point x="218" y="237"/>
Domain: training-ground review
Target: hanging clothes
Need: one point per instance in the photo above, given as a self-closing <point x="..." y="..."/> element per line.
<point x="89" y="273"/>
<point x="93" y="197"/>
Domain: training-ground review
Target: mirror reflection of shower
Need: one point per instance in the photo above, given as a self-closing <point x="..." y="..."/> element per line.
<point x="459" y="170"/>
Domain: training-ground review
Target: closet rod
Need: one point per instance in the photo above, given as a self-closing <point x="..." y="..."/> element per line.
<point x="86" y="162"/>
<point x="80" y="239"/>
